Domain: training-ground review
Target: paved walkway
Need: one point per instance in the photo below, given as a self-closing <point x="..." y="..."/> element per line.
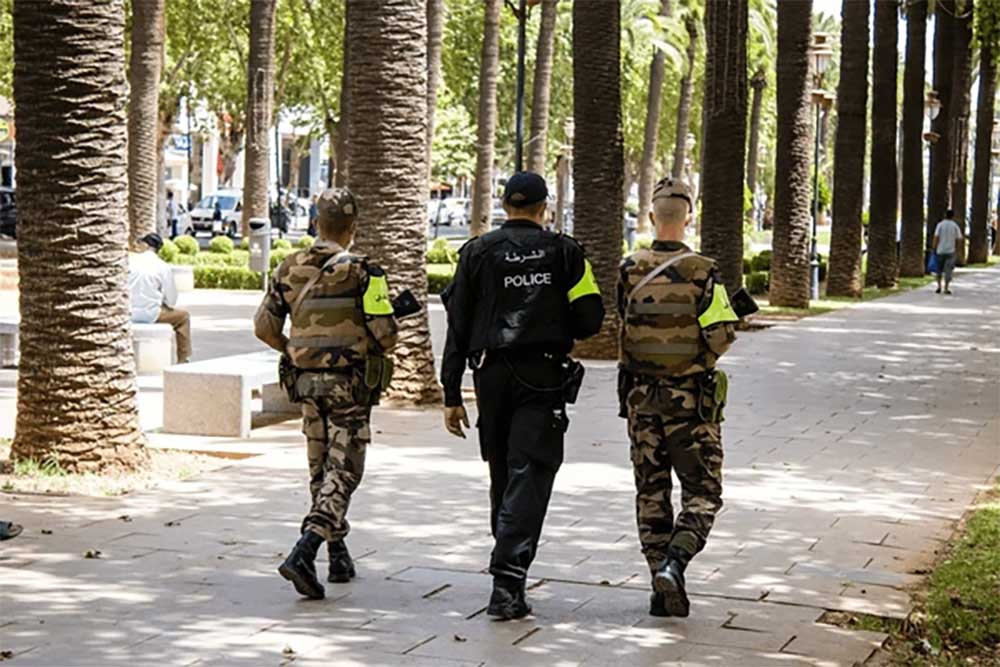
<point x="854" y="441"/>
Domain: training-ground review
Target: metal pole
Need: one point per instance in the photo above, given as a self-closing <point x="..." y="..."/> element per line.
<point x="187" y="107"/>
<point x="522" y="24"/>
<point x="815" y="250"/>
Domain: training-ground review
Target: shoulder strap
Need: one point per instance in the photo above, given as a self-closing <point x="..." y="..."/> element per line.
<point x="657" y="271"/>
<point x="315" y="279"/>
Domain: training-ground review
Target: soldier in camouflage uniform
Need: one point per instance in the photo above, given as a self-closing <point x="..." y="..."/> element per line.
<point x="342" y="324"/>
<point x="676" y="322"/>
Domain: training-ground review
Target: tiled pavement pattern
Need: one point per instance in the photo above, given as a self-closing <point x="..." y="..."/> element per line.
<point x="854" y="441"/>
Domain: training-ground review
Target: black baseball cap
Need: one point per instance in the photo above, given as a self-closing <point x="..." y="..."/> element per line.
<point x="524" y="189"/>
<point x="154" y="241"/>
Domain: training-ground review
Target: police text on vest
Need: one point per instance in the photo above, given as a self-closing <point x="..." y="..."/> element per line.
<point x="527" y="280"/>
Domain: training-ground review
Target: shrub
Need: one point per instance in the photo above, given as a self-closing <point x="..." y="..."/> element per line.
<point x="643" y="243"/>
<point x="244" y="243"/>
<point x="438" y="277"/>
<point x="239" y="258"/>
<point x="281" y="244"/>
<point x="169" y="252"/>
<point x="226" y="277"/>
<point x="279" y="255"/>
<point x="823" y="266"/>
<point x="762" y="262"/>
<point x="187" y="245"/>
<point x="441" y="253"/>
<point x="758" y="282"/>
<point x="221" y="244"/>
<point x="305" y="242"/>
<point x="747" y="265"/>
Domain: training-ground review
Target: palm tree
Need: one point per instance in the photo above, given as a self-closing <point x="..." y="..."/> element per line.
<point x="882" y="262"/>
<point x="76" y="390"/>
<point x="387" y="41"/>
<point x="541" y="87"/>
<point x="435" y="37"/>
<point x="482" y="194"/>
<point x="911" y="261"/>
<point x="979" y="249"/>
<point x="724" y="136"/>
<point x="343" y="130"/>
<point x="938" y="194"/>
<point x="599" y="161"/>
<point x="260" y="102"/>
<point x="793" y="187"/>
<point x="758" y="83"/>
<point x="657" y="71"/>
<point x="684" y="98"/>
<point x="844" y="277"/>
<point x="961" y="98"/>
<point x="145" y="63"/>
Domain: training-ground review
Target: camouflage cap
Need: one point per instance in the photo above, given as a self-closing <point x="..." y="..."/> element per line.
<point x="671" y="187"/>
<point x="337" y="203"/>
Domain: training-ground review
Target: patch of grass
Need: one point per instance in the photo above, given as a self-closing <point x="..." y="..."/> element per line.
<point x="784" y="312"/>
<point x="992" y="260"/>
<point x="832" y="303"/>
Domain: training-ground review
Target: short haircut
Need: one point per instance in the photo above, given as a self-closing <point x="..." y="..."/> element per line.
<point x="950" y="213"/>
<point x="531" y="210"/>
<point x="671" y="210"/>
<point x="333" y="224"/>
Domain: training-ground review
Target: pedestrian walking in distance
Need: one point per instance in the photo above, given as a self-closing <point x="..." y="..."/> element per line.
<point x="334" y="364"/>
<point x="520" y="297"/>
<point x="676" y="322"/>
<point x="947" y="236"/>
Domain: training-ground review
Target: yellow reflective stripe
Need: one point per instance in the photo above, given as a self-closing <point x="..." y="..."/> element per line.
<point x="376" y="299"/>
<point x="719" y="310"/>
<point x="586" y="286"/>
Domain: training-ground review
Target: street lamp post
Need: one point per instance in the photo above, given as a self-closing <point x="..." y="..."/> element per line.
<point x="932" y="106"/>
<point x="522" y="19"/>
<point x="820" y="55"/>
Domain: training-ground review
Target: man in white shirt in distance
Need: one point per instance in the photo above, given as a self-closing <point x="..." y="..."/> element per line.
<point x="154" y="294"/>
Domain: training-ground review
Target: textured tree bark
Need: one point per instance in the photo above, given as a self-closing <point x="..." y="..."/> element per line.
<point x="961" y="99"/>
<point x="388" y="173"/>
<point x="911" y="261"/>
<point x="844" y="278"/>
<point x="724" y="137"/>
<point x="541" y="87"/>
<point x="882" y="264"/>
<point x="793" y="189"/>
<point x="599" y="162"/>
<point x="145" y="64"/>
<point x="340" y="151"/>
<point x="435" y="36"/>
<point x="979" y="228"/>
<point x="684" y="99"/>
<point x="654" y="102"/>
<point x="260" y="103"/>
<point x="76" y="391"/>
<point x="938" y="189"/>
<point x="758" y="83"/>
<point x="482" y="194"/>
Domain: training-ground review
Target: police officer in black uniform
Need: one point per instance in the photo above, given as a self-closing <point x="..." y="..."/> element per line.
<point x="520" y="297"/>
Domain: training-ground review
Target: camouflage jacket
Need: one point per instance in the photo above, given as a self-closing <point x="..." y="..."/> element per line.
<point x="345" y="316"/>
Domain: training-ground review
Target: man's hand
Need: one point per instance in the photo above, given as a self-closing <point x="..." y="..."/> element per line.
<point x="454" y="417"/>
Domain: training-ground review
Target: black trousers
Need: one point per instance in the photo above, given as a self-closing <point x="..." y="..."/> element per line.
<point x="521" y="428"/>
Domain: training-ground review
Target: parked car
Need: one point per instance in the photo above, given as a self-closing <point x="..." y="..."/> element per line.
<point x="457" y="209"/>
<point x="202" y="217"/>
<point x="8" y="213"/>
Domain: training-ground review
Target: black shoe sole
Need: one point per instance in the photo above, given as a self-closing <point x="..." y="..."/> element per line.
<point x="508" y="612"/>
<point x="302" y="586"/>
<point x="656" y="609"/>
<point x="675" y="599"/>
<point x="341" y="578"/>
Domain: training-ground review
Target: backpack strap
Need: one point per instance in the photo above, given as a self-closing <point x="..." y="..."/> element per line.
<point x="654" y="273"/>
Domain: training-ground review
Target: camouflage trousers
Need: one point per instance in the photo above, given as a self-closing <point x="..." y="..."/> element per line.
<point x="667" y="435"/>
<point x="337" y="438"/>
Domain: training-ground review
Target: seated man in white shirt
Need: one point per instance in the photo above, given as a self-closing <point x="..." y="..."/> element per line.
<point x="154" y="295"/>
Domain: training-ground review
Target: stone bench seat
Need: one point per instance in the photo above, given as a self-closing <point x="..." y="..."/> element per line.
<point x="9" y="348"/>
<point x="214" y="397"/>
<point x="154" y="346"/>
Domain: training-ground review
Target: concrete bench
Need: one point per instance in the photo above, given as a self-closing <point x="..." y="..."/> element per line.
<point x="214" y="397"/>
<point x="9" y="349"/>
<point x="183" y="277"/>
<point x="154" y="347"/>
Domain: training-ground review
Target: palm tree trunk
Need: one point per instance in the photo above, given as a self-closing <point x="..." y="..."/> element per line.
<point x="76" y="390"/>
<point x="654" y="101"/>
<point x="684" y="98"/>
<point x="793" y="187"/>
<point x="758" y="83"/>
<point x="844" y="278"/>
<point x="961" y="98"/>
<point x="882" y="263"/>
<point x="724" y="137"/>
<point x="938" y="189"/>
<point x="979" y="229"/>
<point x="340" y="147"/>
<point x="435" y="37"/>
<point x="145" y="63"/>
<point x="482" y="194"/>
<point x="260" y="93"/>
<point x="599" y="162"/>
<point x="387" y="41"/>
<point x="541" y="87"/>
<point x="911" y="261"/>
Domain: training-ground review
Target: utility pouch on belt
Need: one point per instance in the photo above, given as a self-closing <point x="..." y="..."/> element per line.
<point x="572" y="380"/>
<point x="712" y="397"/>
<point x="288" y="376"/>
<point x="377" y="378"/>
<point x="626" y="383"/>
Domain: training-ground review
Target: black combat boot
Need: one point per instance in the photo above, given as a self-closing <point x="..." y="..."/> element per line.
<point x="507" y="601"/>
<point x="668" y="582"/>
<point x="657" y="606"/>
<point x="341" y="565"/>
<point x="300" y="566"/>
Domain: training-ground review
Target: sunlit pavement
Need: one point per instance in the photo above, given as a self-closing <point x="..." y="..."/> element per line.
<point x="854" y="441"/>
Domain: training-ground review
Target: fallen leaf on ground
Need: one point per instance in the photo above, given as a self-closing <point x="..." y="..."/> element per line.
<point x="126" y="518"/>
<point x="288" y="650"/>
<point x="92" y="553"/>
<point x="460" y="638"/>
<point x="46" y="531"/>
<point x="171" y="524"/>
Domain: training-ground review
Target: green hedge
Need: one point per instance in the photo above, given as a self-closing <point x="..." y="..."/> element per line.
<point x="221" y="244"/>
<point x="305" y="242"/>
<point x="281" y="244"/>
<point x="441" y="253"/>
<point x="244" y="243"/>
<point x="278" y="255"/>
<point x="758" y="282"/>
<point x="169" y="252"/>
<point x="438" y="277"/>
<point x="226" y="277"/>
<point x="187" y="245"/>
<point x="762" y="261"/>
<point x="747" y="265"/>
